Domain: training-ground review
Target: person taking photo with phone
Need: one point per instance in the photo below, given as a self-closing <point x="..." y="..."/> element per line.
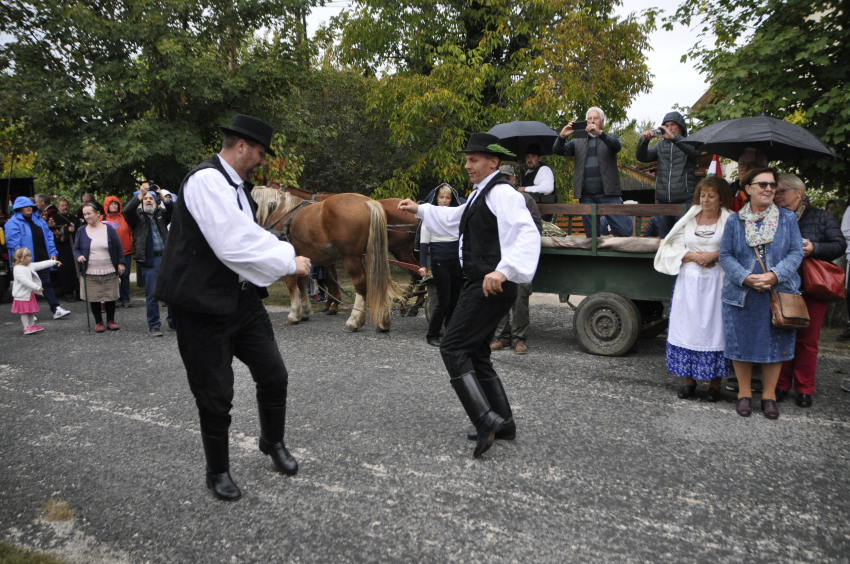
<point x="596" y="178"/>
<point x="675" y="177"/>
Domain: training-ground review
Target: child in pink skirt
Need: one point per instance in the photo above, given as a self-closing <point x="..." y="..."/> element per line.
<point x="27" y="283"/>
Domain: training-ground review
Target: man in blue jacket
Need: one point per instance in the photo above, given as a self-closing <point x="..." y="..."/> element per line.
<point x="27" y="229"/>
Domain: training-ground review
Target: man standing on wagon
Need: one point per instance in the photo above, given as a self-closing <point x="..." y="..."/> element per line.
<point x="213" y="273"/>
<point x="499" y="248"/>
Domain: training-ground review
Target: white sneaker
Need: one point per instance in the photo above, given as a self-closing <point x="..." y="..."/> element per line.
<point x="60" y="313"/>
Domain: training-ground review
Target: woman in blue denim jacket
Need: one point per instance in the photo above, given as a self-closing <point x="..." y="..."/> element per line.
<point x="760" y="226"/>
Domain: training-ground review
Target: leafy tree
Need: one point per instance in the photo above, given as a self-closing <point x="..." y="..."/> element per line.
<point x="451" y="67"/>
<point x="789" y="57"/>
<point x="113" y="91"/>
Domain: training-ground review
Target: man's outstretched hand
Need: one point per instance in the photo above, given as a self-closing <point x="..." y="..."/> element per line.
<point x="408" y="205"/>
<point x="302" y="266"/>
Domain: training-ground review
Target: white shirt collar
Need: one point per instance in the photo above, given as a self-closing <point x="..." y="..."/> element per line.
<point x="234" y="176"/>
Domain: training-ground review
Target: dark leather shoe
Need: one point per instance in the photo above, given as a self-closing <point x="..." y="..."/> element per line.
<point x="770" y="409"/>
<point x="744" y="407"/>
<point x="281" y="457"/>
<point x="222" y="486"/>
<point x="506" y="433"/>
<point x="486" y="433"/>
<point x="714" y="396"/>
<point x="781" y="395"/>
<point x="804" y="400"/>
<point x="687" y="391"/>
<point x="434" y="342"/>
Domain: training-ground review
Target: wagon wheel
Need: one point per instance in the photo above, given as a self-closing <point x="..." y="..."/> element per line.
<point x="430" y="300"/>
<point x="606" y="324"/>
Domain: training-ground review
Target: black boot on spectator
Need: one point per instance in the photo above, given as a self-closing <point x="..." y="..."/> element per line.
<point x="218" y="468"/>
<point x="845" y="336"/>
<point x="487" y="423"/>
<point x="495" y="393"/>
<point x="272" y="424"/>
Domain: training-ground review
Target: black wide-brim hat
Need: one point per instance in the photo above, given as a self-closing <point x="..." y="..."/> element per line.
<point x="252" y="129"/>
<point x="486" y="144"/>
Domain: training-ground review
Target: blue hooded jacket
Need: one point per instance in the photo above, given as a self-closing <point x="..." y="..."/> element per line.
<point x="18" y="233"/>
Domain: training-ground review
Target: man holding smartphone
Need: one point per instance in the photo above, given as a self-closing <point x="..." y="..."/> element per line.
<point x="596" y="179"/>
<point x="675" y="176"/>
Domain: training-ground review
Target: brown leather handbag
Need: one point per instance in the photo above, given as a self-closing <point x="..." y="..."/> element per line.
<point x="788" y="311"/>
<point x="822" y="280"/>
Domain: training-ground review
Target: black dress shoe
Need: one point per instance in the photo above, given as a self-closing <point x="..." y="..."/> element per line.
<point x="281" y="457"/>
<point x="781" y="395"/>
<point x="804" y="400"/>
<point x="714" y="395"/>
<point x="433" y="342"/>
<point x="687" y="391"/>
<point x="222" y="486"/>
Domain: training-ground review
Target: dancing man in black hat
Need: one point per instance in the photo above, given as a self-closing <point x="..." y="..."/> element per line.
<point x="214" y="272"/>
<point x="499" y="248"/>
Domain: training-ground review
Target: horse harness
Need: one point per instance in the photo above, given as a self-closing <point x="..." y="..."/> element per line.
<point x="287" y="218"/>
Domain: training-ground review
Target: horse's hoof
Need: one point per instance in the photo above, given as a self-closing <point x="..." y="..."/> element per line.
<point x="324" y="309"/>
<point x="305" y="319"/>
<point x="350" y="329"/>
<point x="331" y="312"/>
<point x="382" y="329"/>
<point x="291" y="321"/>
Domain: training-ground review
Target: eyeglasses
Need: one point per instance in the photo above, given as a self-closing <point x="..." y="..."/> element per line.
<point x="763" y="185"/>
<point x="783" y="190"/>
<point x="744" y="164"/>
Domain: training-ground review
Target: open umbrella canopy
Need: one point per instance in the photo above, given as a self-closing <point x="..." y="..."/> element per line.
<point x="778" y="139"/>
<point x="517" y="136"/>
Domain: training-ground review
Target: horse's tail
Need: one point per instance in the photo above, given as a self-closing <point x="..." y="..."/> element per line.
<point x="267" y="200"/>
<point x="381" y="289"/>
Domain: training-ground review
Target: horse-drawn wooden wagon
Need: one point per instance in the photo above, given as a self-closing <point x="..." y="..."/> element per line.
<point x="624" y="292"/>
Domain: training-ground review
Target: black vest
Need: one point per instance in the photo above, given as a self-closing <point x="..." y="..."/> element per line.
<point x="190" y="275"/>
<point x="528" y="180"/>
<point x="481" y="250"/>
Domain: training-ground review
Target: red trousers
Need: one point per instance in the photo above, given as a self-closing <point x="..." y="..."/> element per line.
<point x="804" y="366"/>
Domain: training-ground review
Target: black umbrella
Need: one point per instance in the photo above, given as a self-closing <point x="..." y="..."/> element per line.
<point x="518" y="135"/>
<point x="778" y="139"/>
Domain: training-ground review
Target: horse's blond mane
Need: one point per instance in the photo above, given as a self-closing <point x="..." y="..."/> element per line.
<point x="268" y="199"/>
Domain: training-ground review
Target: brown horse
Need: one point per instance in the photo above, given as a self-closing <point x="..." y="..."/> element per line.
<point x="401" y="236"/>
<point x="342" y="227"/>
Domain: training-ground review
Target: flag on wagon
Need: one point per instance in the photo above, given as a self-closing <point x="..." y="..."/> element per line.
<point x="714" y="168"/>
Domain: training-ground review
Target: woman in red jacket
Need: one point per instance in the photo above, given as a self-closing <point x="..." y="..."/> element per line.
<point x="113" y="214"/>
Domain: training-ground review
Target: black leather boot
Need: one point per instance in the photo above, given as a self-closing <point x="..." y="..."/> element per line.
<point x="272" y="423"/>
<point x="487" y="422"/>
<point x="218" y="468"/>
<point x="495" y="394"/>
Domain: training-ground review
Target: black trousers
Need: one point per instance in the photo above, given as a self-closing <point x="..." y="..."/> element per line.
<point x="465" y="346"/>
<point x="449" y="281"/>
<point x="207" y="345"/>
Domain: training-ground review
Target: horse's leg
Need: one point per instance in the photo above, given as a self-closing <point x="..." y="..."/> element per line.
<point x="294" y="301"/>
<point x="332" y="292"/>
<point x="358" y="276"/>
<point x="306" y="306"/>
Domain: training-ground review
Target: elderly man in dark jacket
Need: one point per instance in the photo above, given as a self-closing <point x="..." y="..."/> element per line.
<point x="149" y="223"/>
<point x="675" y="177"/>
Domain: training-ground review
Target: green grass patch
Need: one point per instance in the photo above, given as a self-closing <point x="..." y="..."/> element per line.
<point x="11" y="554"/>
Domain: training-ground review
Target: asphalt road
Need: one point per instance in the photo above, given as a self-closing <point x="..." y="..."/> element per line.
<point x="608" y="465"/>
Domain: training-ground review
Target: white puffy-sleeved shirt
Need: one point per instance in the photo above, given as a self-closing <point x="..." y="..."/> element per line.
<point x="544" y="181"/>
<point x="225" y="218"/>
<point x="519" y="239"/>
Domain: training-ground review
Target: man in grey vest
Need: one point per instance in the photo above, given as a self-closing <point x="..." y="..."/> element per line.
<point x="597" y="178"/>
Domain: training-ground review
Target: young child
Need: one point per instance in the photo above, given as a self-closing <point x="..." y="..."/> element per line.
<point x="26" y="284"/>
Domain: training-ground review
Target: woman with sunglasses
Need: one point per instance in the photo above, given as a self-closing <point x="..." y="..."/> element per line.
<point x="760" y="230"/>
<point x="695" y="339"/>
<point x="823" y="240"/>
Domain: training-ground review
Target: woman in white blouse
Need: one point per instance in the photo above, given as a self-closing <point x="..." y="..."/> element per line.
<point x="695" y="338"/>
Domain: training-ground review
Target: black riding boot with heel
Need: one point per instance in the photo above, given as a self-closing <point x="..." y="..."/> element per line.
<point x="218" y="468"/>
<point x="487" y="422"/>
<point x="495" y="394"/>
<point x="272" y="424"/>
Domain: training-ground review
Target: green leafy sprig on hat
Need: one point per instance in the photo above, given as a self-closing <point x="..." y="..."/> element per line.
<point x="496" y="148"/>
